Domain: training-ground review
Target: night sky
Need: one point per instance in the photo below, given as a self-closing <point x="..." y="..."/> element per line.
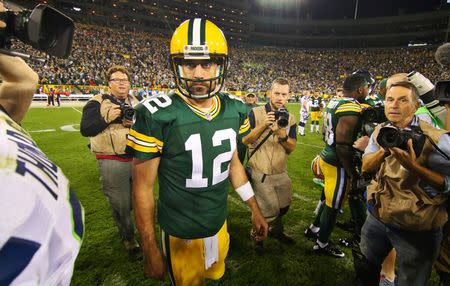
<point x="340" y="9"/>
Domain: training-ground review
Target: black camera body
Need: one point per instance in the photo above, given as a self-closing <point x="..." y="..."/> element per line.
<point x="126" y="111"/>
<point x="391" y="136"/>
<point x="282" y="117"/>
<point x="374" y="114"/>
<point x="44" y="28"/>
<point x="442" y="91"/>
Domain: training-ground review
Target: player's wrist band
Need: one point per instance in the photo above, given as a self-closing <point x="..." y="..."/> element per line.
<point x="245" y="191"/>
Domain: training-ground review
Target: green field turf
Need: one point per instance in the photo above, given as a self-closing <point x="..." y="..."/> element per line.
<point x="103" y="260"/>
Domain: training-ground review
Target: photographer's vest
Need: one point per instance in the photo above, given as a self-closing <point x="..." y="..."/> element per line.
<point x="270" y="158"/>
<point x="436" y="121"/>
<point x="112" y="140"/>
<point x="396" y="196"/>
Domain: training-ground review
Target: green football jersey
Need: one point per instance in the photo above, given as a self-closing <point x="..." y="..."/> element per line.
<point x="315" y="104"/>
<point x="374" y="99"/>
<point x="337" y="108"/>
<point x="195" y="148"/>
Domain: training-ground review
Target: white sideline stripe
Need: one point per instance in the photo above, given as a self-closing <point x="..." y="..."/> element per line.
<point x="77" y="110"/>
<point x="302" y="198"/>
<point x="43" y="130"/>
<point x="237" y="202"/>
<point x="311" y="145"/>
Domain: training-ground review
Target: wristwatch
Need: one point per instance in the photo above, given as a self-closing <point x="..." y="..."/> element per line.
<point x="284" y="139"/>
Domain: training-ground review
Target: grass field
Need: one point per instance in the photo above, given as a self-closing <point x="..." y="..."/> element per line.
<point x="103" y="260"/>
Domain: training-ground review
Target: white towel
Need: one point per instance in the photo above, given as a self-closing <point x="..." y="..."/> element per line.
<point x="211" y="250"/>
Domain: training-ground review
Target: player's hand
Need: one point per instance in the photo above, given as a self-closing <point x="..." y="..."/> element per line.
<point x="260" y="226"/>
<point x="361" y="143"/>
<point x="154" y="265"/>
<point x="2" y="9"/>
<point x="114" y="113"/>
<point x="406" y="158"/>
<point x="270" y="119"/>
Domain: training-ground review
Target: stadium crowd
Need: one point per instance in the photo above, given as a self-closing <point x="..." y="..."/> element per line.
<point x="145" y="55"/>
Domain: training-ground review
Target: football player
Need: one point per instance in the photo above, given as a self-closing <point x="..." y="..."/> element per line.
<point x="42" y="221"/>
<point x="304" y="113"/>
<point x="315" y="104"/>
<point x="187" y="139"/>
<point x="341" y="124"/>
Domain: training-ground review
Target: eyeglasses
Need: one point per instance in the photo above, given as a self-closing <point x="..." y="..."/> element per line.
<point x="121" y="80"/>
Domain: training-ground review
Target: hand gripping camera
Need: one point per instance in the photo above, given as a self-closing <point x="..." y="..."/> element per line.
<point x="44" y="28"/>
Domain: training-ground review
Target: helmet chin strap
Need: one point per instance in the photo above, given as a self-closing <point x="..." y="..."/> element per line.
<point x="184" y="88"/>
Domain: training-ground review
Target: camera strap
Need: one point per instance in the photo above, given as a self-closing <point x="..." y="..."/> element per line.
<point x="259" y="145"/>
<point x="437" y="148"/>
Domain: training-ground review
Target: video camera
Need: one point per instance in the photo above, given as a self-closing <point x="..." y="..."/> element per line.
<point x="282" y="117"/>
<point x="391" y="136"/>
<point x="44" y="28"/>
<point x="431" y="97"/>
<point x="374" y="114"/>
<point x="442" y="91"/>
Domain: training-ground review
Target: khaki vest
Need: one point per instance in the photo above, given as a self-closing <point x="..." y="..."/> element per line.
<point x="397" y="197"/>
<point x="112" y="140"/>
<point x="270" y="158"/>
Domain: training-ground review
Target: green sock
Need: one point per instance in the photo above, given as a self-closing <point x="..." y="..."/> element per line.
<point x="316" y="221"/>
<point x="327" y="222"/>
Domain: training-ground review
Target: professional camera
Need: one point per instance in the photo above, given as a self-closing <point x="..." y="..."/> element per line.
<point x="391" y="136"/>
<point x="44" y="28"/>
<point x="282" y="117"/>
<point x="374" y="114"/>
<point x="442" y="91"/>
<point x="428" y="95"/>
<point x="126" y="111"/>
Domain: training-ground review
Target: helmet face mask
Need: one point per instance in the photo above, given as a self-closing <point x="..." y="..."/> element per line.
<point x="185" y="84"/>
<point x="198" y="42"/>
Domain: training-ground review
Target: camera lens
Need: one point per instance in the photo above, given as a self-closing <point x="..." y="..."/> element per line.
<point x="388" y="137"/>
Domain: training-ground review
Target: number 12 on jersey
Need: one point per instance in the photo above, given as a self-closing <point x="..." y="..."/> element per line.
<point x="194" y="144"/>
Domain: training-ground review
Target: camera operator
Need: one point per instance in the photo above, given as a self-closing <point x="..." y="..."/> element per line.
<point x="42" y="223"/>
<point x="106" y="120"/>
<point x="272" y="138"/>
<point x="407" y="194"/>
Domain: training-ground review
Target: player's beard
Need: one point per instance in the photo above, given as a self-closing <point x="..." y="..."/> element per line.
<point x="201" y="88"/>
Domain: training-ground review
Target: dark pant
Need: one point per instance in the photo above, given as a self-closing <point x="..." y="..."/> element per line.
<point x="416" y="250"/>
<point x="116" y="183"/>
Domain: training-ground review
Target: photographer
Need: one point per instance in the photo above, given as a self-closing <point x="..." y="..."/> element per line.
<point x="42" y="223"/>
<point x="407" y="194"/>
<point x="106" y="120"/>
<point x="272" y="138"/>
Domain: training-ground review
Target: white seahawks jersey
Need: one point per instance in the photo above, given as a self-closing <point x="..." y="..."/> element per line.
<point x="42" y="222"/>
<point x="304" y="108"/>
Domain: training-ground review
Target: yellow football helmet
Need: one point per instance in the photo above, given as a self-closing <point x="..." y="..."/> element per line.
<point x="198" y="39"/>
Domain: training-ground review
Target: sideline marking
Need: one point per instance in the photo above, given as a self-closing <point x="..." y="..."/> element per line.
<point x="77" y="110"/>
<point x="237" y="202"/>
<point x="69" y="128"/>
<point x="311" y="145"/>
<point x="43" y="130"/>
<point x="302" y="198"/>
